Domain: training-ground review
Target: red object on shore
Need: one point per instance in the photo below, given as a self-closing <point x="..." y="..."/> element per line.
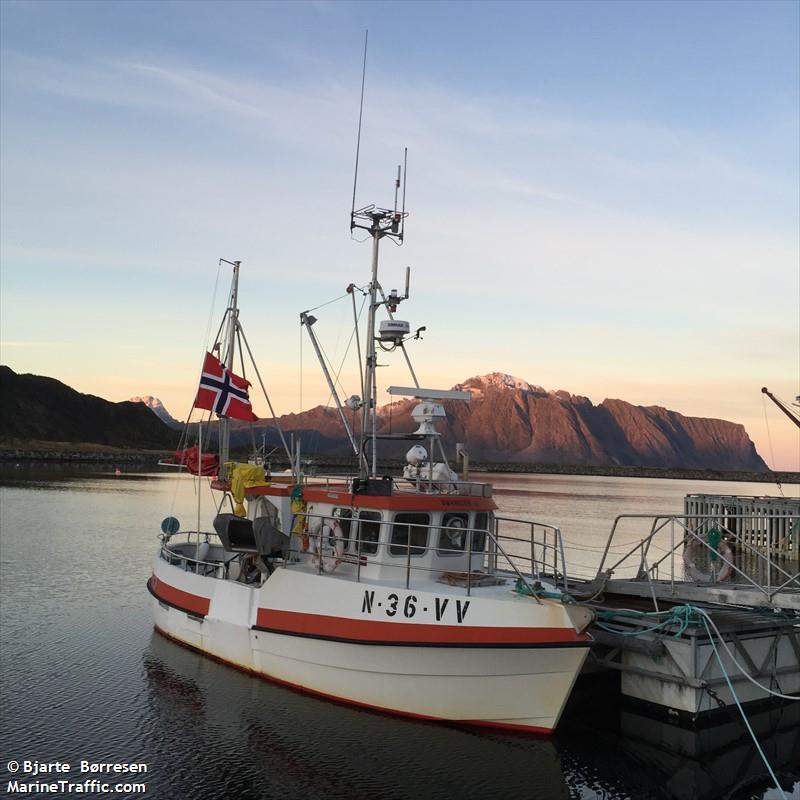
<point x="205" y="464"/>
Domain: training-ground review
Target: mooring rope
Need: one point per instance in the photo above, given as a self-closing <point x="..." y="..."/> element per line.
<point x="681" y="617"/>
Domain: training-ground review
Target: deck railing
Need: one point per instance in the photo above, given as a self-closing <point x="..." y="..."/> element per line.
<point x="670" y="534"/>
<point x="216" y="568"/>
<point x="538" y="556"/>
<point x="535" y="554"/>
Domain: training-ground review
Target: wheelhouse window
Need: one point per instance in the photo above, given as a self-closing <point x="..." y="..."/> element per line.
<point x="453" y="534"/>
<point x="479" y="536"/>
<point x="369" y="532"/>
<point x="410" y="530"/>
<point x="344" y="516"/>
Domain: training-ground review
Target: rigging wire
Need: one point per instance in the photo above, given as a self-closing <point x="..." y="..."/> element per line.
<point x="358" y="140"/>
<point x="266" y="395"/>
<point x="336" y="380"/>
<point x="205" y="345"/>
<point x="350" y="341"/>
<point x="769" y="439"/>
<point x="300" y="407"/>
<point x="244" y="375"/>
<point x="329" y="361"/>
<point x="322" y="305"/>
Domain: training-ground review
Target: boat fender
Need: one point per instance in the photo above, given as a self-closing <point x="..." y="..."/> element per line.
<point x="721" y="548"/>
<point x="201" y="552"/>
<point x="328" y="544"/>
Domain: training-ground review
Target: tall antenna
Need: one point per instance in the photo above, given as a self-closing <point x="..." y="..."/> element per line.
<point x="379" y="223"/>
<point x="358" y="140"/>
<point x="403" y="214"/>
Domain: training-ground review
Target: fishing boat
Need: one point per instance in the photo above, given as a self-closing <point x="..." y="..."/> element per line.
<point x="405" y="593"/>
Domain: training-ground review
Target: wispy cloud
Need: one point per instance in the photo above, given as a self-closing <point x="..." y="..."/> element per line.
<point x="572" y="245"/>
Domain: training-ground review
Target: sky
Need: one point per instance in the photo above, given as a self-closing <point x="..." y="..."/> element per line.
<point x="603" y="197"/>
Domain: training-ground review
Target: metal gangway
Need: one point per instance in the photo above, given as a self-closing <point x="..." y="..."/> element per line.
<point x="699" y="557"/>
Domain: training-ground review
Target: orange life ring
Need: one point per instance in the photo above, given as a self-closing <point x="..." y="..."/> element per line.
<point x="690" y="551"/>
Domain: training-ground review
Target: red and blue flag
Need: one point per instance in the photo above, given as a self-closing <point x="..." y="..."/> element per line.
<point x="223" y="392"/>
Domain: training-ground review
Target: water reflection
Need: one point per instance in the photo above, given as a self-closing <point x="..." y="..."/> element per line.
<point x="267" y="740"/>
<point x="619" y="750"/>
<point x="82" y="675"/>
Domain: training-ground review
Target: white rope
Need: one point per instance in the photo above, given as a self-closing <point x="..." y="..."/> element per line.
<point x="741" y="669"/>
<point x="706" y="620"/>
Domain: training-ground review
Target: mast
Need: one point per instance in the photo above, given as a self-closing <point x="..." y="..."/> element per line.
<point x="378" y="222"/>
<point x="369" y="373"/>
<point x="228" y="354"/>
<point x="382" y="222"/>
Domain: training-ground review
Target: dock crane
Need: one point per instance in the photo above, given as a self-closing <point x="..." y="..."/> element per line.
<point x="793" y="415"/>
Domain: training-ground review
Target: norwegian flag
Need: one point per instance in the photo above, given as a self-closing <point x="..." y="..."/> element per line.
<point x="222" y="391"/>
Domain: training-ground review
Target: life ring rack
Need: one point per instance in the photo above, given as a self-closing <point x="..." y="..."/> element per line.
<point x="327" y="544"/>
<point x="695" y="545"/>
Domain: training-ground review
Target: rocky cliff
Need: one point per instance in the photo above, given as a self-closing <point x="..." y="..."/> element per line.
<point x="509" y="419"/>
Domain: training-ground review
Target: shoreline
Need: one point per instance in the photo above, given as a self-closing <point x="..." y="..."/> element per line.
<point x="69" y="453"/>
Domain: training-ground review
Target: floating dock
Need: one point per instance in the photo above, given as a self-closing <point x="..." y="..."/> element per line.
<point x="686" y="602"/>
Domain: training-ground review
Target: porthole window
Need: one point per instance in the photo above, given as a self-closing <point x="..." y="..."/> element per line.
<point x="453" y="534"/>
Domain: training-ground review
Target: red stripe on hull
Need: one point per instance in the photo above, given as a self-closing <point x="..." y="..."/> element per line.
<point x="534" y="729"/>
<point x="365" y="630"/>
<point x="185" y="601"/>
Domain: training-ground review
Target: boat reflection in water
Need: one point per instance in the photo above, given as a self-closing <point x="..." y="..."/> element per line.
<point x="663" y="760"/>
<point x="236" y="731"/>
<point x="264" y="740"/>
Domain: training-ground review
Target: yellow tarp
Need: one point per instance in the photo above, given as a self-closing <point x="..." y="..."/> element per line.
<point x="298" y="512"/>
<point x="242" y="477"/>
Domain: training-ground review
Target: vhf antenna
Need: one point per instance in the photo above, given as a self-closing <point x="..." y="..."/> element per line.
<point x="380" y="221"/>
<point x="358" y="138"/>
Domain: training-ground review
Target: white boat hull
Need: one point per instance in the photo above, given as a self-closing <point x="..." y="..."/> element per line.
<point x="454" y="664"/>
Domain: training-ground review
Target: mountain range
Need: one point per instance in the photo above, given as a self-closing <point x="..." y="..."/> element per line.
<point x="506" y="420"/>
<point x="511" y="420"/>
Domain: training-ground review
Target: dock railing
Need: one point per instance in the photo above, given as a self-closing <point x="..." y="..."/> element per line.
<point x="670" y="536"/>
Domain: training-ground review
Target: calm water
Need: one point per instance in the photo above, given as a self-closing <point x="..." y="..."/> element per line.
<point x="83" y="676"/>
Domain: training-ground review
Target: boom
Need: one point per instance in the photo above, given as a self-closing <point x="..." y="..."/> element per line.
<point x="793" y="415"/>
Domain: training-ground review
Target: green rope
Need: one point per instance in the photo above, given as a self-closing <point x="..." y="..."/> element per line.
<point x="682" y="617"/>
<point x="679" y="616"/>
<point x="537" y="590"/>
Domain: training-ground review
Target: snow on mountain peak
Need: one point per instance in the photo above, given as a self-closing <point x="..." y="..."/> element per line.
<point x="148" y="400"/>
<point x="500" y="380"/>
<point x="157" y="407"/>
